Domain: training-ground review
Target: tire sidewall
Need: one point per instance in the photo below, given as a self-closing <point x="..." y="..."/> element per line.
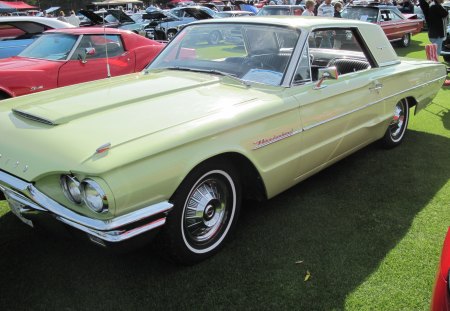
<point x="173" y="232"/>
<point x="388" y="141"/>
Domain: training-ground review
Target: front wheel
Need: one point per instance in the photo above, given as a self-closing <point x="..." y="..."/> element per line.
<point x="171" y="34"/>
<point x="397" y="128"/>
<point x="206" y="208"/>
<point x="406" y="40"/>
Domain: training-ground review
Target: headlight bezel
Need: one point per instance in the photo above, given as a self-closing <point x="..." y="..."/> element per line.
<point x="64" y="181"/>
<point x="83" y="198"/>
<point x="101" y="193"/>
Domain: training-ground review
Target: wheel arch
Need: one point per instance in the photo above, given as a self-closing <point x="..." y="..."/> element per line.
<point x="251" y="180"/>
<point x="5" y="94"/>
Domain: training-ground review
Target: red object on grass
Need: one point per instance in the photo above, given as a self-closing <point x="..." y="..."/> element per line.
<point x="441" y="293"/>
<point x="431" y="50"/>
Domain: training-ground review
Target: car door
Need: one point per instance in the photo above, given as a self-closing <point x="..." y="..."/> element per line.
<point x="404" y="25"/>
<point x="94" y="64"/>
<point x="339" y="115"/>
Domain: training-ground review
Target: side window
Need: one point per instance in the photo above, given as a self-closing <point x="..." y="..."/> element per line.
<point x="395" y="17"/>
<point x="303" y="73"/>
<point x="339" y="48"/>
<point x="386" y="15"/>
<point x="102" y="45"/>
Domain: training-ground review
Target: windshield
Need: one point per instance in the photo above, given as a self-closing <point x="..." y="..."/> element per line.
<point x="364" y="14"/>
<point x="257" y="53"/>
<point x="274" y="11"/>
<point x="51" y="46"/>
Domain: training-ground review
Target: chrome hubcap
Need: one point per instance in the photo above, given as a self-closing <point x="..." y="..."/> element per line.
<point x="206" y="210"/>
<point x="397" y="123"/>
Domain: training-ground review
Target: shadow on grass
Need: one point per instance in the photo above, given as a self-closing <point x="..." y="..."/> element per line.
<point x="340" y="223"/>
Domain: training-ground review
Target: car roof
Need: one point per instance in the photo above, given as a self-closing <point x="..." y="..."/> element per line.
<point x="380" y="47"/>
<point x="306" y="22"/>
<point x="89" y="31"/>
<point x="283" y="6"/>
<point x="51" y="22"/>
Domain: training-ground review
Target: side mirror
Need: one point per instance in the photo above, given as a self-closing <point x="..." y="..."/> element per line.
<point x="326" y="73"/>
<point x="86" y="52"/>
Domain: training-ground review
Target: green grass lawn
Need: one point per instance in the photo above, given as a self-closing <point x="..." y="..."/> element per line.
<point x="368" y="230"/>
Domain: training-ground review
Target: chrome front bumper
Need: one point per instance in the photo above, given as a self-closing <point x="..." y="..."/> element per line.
<point x="26" y="201"/>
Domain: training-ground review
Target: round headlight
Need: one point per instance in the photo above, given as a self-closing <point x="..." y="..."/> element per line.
<point x="71" y="188"/>
<point x="93" y="196"/>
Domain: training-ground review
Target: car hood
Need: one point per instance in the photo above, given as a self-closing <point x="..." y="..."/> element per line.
<point x="19" y="63"/>
<point x="121" y="16"/>
<point x="197" y="13"/>
<point x="64" y="127"/>
<point x="93" y="17"/>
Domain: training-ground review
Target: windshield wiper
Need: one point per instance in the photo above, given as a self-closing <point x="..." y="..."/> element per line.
<point x="210" y="71"/>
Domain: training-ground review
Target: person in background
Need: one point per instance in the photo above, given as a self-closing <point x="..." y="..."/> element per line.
<point x="406" y="7"/>
<point x="62" y="17"/>
<point x="309" y="8"/>
<point x="337" y="9"/>
<point x="326" y="9"/>
<point x="73" y="19"/>
<point x="316" y="6"/>
<point x="436" y="18"/>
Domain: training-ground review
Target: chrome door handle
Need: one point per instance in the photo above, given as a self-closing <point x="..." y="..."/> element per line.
<point x="378" y="86"/>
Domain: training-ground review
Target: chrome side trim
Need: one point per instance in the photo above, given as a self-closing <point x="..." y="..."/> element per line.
<point x="306" y="128"/>
<point x="394" y="62"/>
<point x="109" y="230"/>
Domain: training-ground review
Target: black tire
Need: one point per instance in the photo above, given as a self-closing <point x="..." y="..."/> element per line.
<point x="171" y="34"/>
<point x="405" y="41"/>
<point x="446" y="58"/>
<point x="214" y="37"/>
<point x="197" y="228"/>
<point x="396" y="130"/>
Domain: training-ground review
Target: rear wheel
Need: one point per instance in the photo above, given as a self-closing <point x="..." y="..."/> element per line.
<point x="405" y="41"/>
<point x="206" y="208"/>
<point x="171" y="34"/>
<point x="397" y="128"/>
<point x="214" y="37"/>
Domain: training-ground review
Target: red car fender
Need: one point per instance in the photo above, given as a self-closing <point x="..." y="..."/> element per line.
<point x="142" y="55"/>
<point x="441" y="293"/>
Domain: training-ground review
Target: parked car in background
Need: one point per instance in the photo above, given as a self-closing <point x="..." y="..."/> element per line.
<point x="441" y="293"/>
<point x="74" y="55"/>
<point x="398" y="27"/>
<point x="193" y="13"/>
<point x="112" y="18"/>
<point x="17" y="32"/>
<point x="281" y="10"/>
<point x="223" y="14"/>
<point x="175" y="148"/>
<point x="166" y="24"/>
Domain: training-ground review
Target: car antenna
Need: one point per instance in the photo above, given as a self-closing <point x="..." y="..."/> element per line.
<point x="108" y="70"/>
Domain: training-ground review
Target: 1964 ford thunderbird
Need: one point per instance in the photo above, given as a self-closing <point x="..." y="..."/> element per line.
<point x="177" y="147"/>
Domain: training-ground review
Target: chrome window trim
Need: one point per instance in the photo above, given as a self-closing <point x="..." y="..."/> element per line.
<point x="75" y="46"/>
<point x="309" y="127"/>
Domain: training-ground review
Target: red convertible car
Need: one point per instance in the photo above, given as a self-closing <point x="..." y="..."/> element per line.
<point x="68" y="56"/>
<point x="397" y="26"/>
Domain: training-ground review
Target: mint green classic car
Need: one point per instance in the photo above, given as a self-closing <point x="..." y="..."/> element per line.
<point x="174" y="149"/>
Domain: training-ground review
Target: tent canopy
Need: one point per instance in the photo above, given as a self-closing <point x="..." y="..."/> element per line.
<point x="117" y="2"/>
<point x="19" y="5"/>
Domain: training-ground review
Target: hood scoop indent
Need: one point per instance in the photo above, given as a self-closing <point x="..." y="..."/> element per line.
<point x="32" y="117"/>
